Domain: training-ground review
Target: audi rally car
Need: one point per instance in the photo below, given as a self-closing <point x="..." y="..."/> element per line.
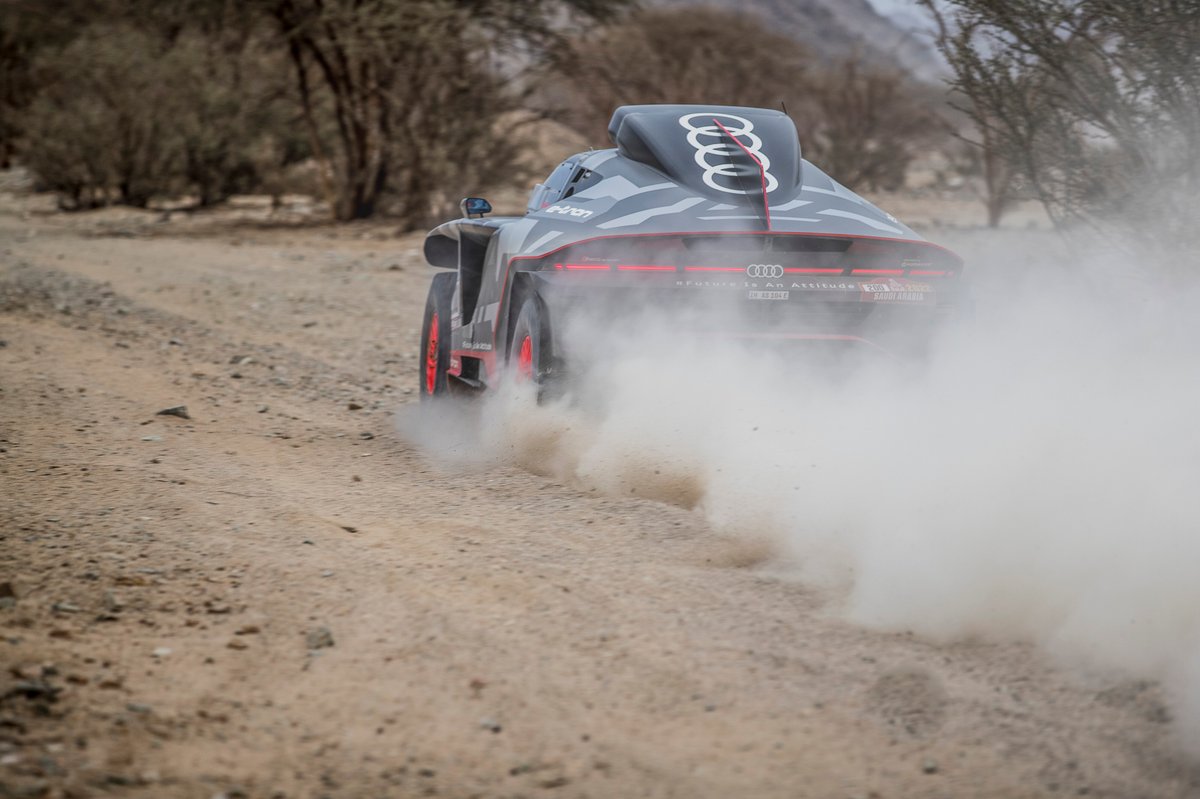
<point x="693" y="206"/>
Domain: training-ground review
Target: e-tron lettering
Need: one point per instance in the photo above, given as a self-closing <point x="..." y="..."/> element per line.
<point x="569" y="210"/>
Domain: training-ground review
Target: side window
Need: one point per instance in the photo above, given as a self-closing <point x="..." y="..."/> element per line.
<point x="547" y="193"/>
<point x="583" y="179"/>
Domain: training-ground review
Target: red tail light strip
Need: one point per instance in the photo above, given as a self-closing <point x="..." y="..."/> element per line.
<point x="815" y="270"/>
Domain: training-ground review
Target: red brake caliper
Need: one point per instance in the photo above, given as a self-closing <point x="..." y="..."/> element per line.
<point x="431" y="356"/>
<point x="525" y="359"/>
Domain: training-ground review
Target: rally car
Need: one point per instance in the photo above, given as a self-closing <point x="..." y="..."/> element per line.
<point x="694" y="206"/>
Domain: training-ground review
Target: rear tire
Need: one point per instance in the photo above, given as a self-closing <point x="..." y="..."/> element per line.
<point x="531" y="351"/>
<point x="435" y="337"/>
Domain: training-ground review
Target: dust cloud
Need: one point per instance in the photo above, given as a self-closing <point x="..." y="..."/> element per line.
<point x="1035" y="478"/>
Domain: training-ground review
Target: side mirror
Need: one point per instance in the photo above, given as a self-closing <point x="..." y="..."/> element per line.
<point x="475" y="207"/>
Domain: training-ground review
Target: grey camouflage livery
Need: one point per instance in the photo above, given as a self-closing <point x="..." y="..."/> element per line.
<point x="691" y="198"/>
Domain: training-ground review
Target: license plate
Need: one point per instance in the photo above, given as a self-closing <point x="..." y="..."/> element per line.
<point x="768" y="295"/>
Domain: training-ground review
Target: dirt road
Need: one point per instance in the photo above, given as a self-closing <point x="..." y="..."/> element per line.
<point x="278" y="596"/>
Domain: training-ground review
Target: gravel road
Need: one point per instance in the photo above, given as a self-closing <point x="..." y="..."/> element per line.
<point x="279" y="597"/>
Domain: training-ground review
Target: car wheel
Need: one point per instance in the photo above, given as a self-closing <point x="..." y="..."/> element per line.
<point x="435" y="337"/>
<point x="530" y="353"/>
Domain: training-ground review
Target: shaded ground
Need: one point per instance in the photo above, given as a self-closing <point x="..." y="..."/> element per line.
<point x="278" y="597"/>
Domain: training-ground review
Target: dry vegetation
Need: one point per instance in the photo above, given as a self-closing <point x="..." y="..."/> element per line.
<point x="382" y="107"/>
<point x="400" y="108"/>
<point x="1092" y="103"/>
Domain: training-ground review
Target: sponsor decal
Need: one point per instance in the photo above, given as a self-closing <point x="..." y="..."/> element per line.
<point x="895" y="290"/>
<point x="765" y="270"/>
<point x="768" y="295"/>
<point x="568" y="210"/>
<point x="709" y="141"/>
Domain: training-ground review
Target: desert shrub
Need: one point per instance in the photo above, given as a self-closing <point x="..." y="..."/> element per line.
<point x="233" y="122"/>
<point x="98" y="131"/>
<point x="126" y="116"/>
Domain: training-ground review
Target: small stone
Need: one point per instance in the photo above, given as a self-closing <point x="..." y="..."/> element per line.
<point x="248" y="629"/>
<point x="366" y="436"/>
<point x="175" y="410"/>
<point x="349" y="529"/>
<point x="137" y="707"/>
<point x="929" y="766"/>
<point x="353" y="406"/>
<point x="65" y="607"/>
<point x="318" y="638"/>
<point x="151" y="438"/>
<point x="263" y="408"/>
<point x="490" y="724"/>
<point x="236" y="644"/>
<point x="238" y="360"/>
<point x="161" y="652"/>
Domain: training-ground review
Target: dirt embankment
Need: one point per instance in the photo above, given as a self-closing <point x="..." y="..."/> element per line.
<point x="276" y="596"/>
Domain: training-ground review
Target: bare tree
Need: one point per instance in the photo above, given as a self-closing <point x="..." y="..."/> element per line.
<point x="413" y="88"/>
<point x="1095" y="103"/>
<point x="866" y="124"/>
<point x="134" y="109"/>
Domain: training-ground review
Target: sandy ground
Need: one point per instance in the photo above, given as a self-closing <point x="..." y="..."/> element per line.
<point x="279" y="597"/>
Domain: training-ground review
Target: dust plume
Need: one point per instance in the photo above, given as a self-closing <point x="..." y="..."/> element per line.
<point x="1031" y="479"/>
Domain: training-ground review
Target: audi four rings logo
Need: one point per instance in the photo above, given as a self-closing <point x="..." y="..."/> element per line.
<point x="710" y="141"/>
<point x="764" y="270"/>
